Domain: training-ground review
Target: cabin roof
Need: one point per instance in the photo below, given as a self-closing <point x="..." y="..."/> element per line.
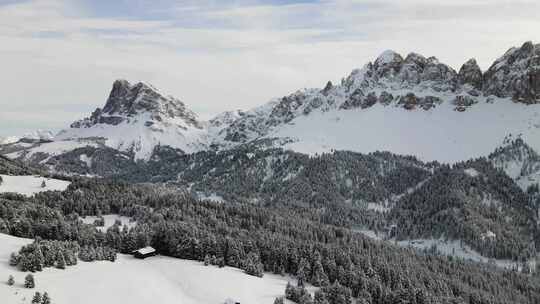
<point x="146" y="250"/>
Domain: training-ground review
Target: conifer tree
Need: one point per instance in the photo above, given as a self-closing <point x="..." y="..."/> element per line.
<point x="279" y="300"/>
<point x="37" y="298"/>
<point x="45" y="299"/>
<point x="320" y="297"/>
<point x="11" y="280"/>
<point x="253" y="266"/>
<point x="60" y="261"/>
<point x="13" y="259"/>
<point x="29" y="281"/>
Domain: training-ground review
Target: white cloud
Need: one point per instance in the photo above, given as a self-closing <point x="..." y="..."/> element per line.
<point x="217" y="57"/>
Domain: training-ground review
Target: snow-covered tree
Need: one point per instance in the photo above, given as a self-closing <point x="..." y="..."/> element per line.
<point x="45" y="299"/>
<point x="11" y="280"/>
<point x="29" y="281"/>
<point x="279" y="300"/>
<point x="37" y="298"/>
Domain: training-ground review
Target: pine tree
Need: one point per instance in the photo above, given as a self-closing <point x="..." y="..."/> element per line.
<point x="253" y="266"/>
<point x="319" y="277"/>
<point x="302" y="272"/>
<point x="60" y="261"/>
<point x="14" y="259"/>
<point x="290" y="292"/>
<point x="305" y="298"/>
<point x="45" y="299"/>
<point x="29" y="281"/>
<point x="279" y="300"/>
<point x="37" y="298"/>
<point x="11" y="280"/>
<point x="320" y="297"/>
<point x="207" y="260"/>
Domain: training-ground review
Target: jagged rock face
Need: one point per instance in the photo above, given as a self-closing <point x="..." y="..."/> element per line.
<point x="410" y="101"/>
<point x="226" y="118"/>
<point x="414" y="70"/>
<point x="516" y="74"/>
<point x="387" y="65"/>
<point x="127" y="100"/>
<point x="462" y="102"/>
<point x="471" y="74"/>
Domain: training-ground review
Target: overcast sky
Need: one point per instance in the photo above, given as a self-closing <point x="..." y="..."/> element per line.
<point x="58" y="58"/>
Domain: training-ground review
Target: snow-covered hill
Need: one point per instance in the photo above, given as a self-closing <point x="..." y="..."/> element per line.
<point x="129" y="280"/>
<point x="406" y="105"/>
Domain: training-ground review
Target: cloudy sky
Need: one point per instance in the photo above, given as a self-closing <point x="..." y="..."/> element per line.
<point x="58" y="58"/>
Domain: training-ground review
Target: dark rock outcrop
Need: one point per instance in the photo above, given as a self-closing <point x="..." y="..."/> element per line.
<point x="516" y="74"/>
<point x="471" y="74"/>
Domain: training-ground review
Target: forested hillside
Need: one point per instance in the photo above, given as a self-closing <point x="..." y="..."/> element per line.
<point x="474" y="202"/>
<point x="276" y="238"/>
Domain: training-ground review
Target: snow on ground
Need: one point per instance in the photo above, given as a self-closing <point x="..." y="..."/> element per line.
<point x="110" y="219"/>
<point x="210" y="197"/>
<point x="134" y="135"/>
<point x="525" y="181"/>
<point x="29" y="185"/>
<point x="53" y="148"/>
<point x="441" y="133"/>
<point x="472" y="172"/>
<point x="377" y="207"/>
<point x="452" y="248"/>
<point x="8" y="140"/>
<point x="157" y="280"/>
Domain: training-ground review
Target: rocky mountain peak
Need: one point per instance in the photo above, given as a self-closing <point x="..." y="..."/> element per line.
<point x="516" y="74"/>
<point x="388" y="64"/>
<point x="471" y="74"/>
<point x="128" y="100"/>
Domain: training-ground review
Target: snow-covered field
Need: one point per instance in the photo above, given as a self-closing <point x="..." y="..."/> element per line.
<point x="29" y="185"/>
<point x="109" y="221"/>
<point x="159" y="280"/>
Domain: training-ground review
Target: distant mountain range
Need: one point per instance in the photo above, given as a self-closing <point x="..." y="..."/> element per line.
<point x="403" y="140"/>
<point x="409" y="105"/>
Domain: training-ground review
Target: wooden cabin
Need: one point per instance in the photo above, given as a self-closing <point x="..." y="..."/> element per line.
<point x="145" y="252"/>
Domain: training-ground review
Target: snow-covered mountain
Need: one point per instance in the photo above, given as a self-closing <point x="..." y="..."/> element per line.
<point x="413" y="105"/>
<point x="135" y="119"/>
<point x="138" y="117"/>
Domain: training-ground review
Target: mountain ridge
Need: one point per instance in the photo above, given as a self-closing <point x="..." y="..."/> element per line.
<point x="413" y="101"/>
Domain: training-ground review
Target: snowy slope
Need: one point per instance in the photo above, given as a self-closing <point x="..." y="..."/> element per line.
<point x="8" y="140"/>
<point x="438" y="134"/>
<point x="135" y="135"/>
<point x="30" y="185"/>
<point x="129" y="280"/>
<point x="406" y="105"/>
